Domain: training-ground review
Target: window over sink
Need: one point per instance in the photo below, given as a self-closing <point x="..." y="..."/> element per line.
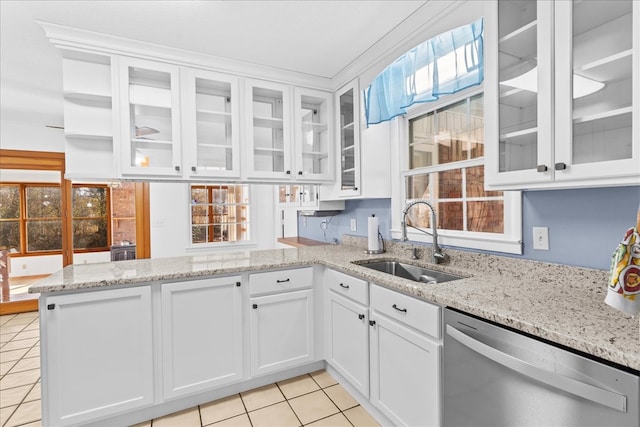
<point x="443" y="164"/>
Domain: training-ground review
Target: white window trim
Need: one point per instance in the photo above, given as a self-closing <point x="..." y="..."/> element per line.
<point x="244" y="244"/>
<point x="508" y="242"/>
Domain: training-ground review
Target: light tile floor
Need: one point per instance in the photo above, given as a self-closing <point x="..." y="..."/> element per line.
<point x="314" y="399"/>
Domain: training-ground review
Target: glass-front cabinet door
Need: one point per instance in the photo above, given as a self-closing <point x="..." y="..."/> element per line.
<point x="518" y="91"/>
<point x="573" y="125"/>
<point x="597" y="89"/>
<point x="149" y="118"/>
<point x="211" y="130"/>
<point x="268" y="115"/>
<point x="348" y="122"/>
<point x="313" y="134"/>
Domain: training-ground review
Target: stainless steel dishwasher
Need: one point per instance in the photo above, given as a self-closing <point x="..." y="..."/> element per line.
<point x="496" y="377"/>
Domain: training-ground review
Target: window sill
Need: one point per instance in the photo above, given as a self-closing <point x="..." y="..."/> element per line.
<point x="477" y="241"/>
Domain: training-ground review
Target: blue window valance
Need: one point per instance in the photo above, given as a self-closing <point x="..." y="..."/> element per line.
<point x="445" y="64"/>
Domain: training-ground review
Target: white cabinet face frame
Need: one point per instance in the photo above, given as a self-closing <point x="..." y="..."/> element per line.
<point x="211" y="124"/>
<point x="202" y="344"/>
<point x="149" y="103"/>
<point x="313" y="135"/>
<point x="404" y="363"/>
<point x="99" y="354"/>
<point x="281" y="331"/>
<point x="268" y="128"/>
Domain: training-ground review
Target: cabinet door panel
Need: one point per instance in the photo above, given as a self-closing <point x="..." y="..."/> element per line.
<point x="99" y="354"/>
<point x="149" y="105"/>
<point x="405" y="374"/>
<point x="211" y="117"/>
<point x="202" y="335"/>
<point x="348" y="341"/>
<point x="281" y="331"/>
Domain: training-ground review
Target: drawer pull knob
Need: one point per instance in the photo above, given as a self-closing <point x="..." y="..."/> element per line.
<point x="255" y="306"/>
<point x="342" y="285"/>
<point x="51" y="306"/>
<point x="238" y="284"/>
<point x="360" y="316"/>
<point x="193" y="168"/>
<point x="404" y="310"/>
<point x="372" y="322"/>
<point x="542" y="168"/>
<point x="282" y="281"/>
<point x="560" y="166"/>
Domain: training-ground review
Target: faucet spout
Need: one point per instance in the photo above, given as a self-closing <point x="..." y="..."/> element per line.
<point x="438" y="255"/>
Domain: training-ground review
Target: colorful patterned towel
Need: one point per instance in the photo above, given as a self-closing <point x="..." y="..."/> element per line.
<point x="623" y="292"/>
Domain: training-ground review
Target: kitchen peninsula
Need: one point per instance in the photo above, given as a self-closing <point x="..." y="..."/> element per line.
<point x="560" y="304"/>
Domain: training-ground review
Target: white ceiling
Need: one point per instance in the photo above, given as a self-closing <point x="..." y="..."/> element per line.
<point x="313" y="37"/>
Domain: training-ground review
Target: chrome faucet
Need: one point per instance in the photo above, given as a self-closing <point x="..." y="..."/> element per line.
<point x="438" y="255"/>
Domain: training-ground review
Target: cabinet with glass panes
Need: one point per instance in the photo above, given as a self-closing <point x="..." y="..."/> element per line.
<point x="576" y="123"/>
<point x="210" y="124"/>
<point x="149" y="118"/>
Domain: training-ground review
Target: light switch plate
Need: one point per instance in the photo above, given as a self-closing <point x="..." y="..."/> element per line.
<point x="541" y="238"/>
<point x="353" y="224"/>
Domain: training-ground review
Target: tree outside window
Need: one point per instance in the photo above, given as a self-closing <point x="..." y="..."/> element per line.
<point x="91" y="225"/>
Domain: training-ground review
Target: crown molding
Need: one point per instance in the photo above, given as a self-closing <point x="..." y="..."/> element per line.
<point x="93" y="43"/>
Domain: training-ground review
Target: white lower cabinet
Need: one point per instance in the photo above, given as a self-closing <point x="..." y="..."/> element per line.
<point x="405" y="358"/>
<point x="347" y="328"/>
<point x="97" y="357"/>
<point x="405" y="374"/>
<point x="389" y="350"/>
<point x="281" y="331"/>
<point x="201" y="335"/>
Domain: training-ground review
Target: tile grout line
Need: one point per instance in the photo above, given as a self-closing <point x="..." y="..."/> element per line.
<point x="289" y="404"/>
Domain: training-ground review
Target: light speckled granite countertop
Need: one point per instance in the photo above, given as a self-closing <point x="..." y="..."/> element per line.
<point x="559" y="303"/>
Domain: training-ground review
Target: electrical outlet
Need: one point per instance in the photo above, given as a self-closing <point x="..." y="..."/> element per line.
<point x="304" y="221"/>
<point x="353" y="224"/>
<point x="541" y="238"/>
<point x="24" y="266"/>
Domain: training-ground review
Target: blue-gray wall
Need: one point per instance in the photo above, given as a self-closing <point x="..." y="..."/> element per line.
<point x="585" y="225"/>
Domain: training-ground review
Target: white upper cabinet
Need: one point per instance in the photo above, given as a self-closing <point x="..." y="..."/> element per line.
<point x="149" y="118"/>
<point x="348" y="122"/>
<point x="289" y="132"/>
<point x="268" y="116"/>
<point x="210" y="124"/>
<point x="313" y="135"/>
<point x="88" y="117"/>
<point x="562" y="95"/>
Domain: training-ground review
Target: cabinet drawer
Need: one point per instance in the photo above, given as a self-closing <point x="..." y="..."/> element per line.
<point x="282" y="280"/>
<point x="350" y="287"/>
<point x="421" y="315"/>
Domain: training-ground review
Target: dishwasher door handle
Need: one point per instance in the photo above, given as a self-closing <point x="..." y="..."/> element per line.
<point x="598" y="395"/>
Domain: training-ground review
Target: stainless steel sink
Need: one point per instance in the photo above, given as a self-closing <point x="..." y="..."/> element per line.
<point x="411" y="272"/>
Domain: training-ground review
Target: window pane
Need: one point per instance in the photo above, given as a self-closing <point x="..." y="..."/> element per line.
<point x="43" y="202"/>
<point x="475" y="183"/>
<point x="9" y="201"/>
<point x="89" y="202"/>
<point x="10" y="235"/>
<point x="476" y="127"/>
<point x="199" y="234"/>
<point x="450" y="216"/>
<point x="199" y="195"/>
<point x="44" y="235"/>
<point x="418" y="187"/>
<point x="421" y="142"/>
<point x="448" y="184"/>
<point x="89" y="233"/>
<point x="486" y="216"/>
